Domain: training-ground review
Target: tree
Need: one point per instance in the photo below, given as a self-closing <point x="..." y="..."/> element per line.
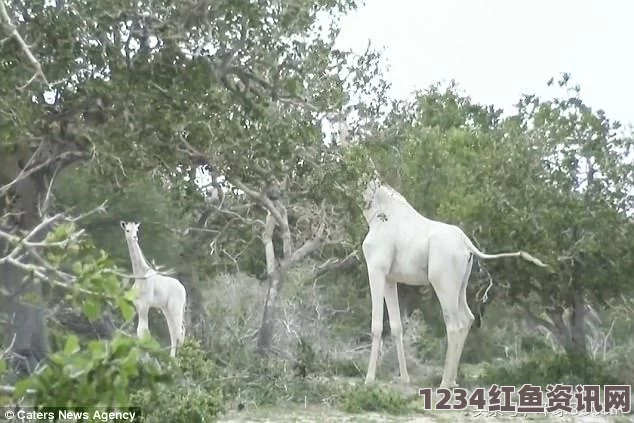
<point x="553" y="178"/>
<point x="586" y="182"/>
<point x="135" y="89"/>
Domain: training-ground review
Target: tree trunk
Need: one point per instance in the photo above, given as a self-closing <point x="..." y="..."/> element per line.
<point x="196" y="319"/>
<point x="577" y="321"/>
<point x="265" y="335"/>
<point x="26" y="319"/>
<point x="578" y="345"/>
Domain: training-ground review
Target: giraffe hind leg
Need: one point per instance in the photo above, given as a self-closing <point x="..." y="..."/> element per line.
<point x="449" y="275"/>
<point x="175" y="318"/>
<point x="377" y="288"/>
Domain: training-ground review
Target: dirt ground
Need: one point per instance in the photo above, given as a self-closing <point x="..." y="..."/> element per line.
<point x="317" y="414"/>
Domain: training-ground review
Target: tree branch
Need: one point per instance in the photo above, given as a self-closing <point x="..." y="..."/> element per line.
<point x="267" y="239"/>
<point x="287" y="239"/>
<point x="539" y="321"/>
<point x="256" y="196"/>
<point x="336" y="263"/>
<point x="26" y="173"/>
<point x="307" y="248"/>
<point x="264" y="201"/>
<point x="44" y="270"/>
<point x="9" y="390"/>
<point x="12" y="30"/>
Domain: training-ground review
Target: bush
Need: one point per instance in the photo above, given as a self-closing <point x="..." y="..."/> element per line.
<point x="544" y="369"/>
<point x="359" y="399"/>
<point x="196" y="395"/>
<point x="101" y="374"/>
<point x="180" y="404"/>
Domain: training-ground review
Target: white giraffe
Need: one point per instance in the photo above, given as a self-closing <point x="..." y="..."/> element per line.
<point x="403" y="246"/>
<point x="155" y="291"/>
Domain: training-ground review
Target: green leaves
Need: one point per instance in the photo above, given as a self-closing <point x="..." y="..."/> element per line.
<point x="126" y="307"/>
<point x="72" y="345"/>
<point x="518" y="184"/>
<point x="100" y="374"/>
<point x="92" y="309"/>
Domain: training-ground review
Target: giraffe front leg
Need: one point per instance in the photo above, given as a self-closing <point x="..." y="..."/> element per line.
<point x="396" y="327"/>
<point x="142" y="325"/>
<point x="174" y="326"/>
<point x="377" y="289"/>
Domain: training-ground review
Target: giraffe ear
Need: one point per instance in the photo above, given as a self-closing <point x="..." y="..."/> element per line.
<point x="122" y="224"/>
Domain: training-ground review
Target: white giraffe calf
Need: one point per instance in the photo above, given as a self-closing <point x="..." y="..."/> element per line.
<point x="155" y="291"/>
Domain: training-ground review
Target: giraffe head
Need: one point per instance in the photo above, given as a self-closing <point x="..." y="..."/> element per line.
<point x="130" y="229"/>
<point x="369" y="192"/>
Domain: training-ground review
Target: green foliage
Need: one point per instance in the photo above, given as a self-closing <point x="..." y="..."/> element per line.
<point x="195" y="396"/>
<point x="149" y="117"/>
<point x="175" y="404"/>
<point x="551" y="368"/>
<point x="99" y="374"/>
<point x="143" y="200"/>
<point x="360" y="399"/>
<point x="504" y="183"/>
<point x="345" y="368"/>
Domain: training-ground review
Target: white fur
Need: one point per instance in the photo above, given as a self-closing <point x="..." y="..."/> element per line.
<point x="403" y="246"/>
<point x="155" y="291"/>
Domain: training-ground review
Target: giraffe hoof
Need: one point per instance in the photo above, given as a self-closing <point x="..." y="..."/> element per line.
<point x="449" y="385"/>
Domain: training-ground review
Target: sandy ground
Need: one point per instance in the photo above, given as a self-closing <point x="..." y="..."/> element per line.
<point x="329" y="415"/>
<point x="316" y="413"/>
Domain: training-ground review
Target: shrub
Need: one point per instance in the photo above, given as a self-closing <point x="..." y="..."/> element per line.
<point x="359" y="399"/>
<point x="195" y="396"/>
<point x="544" y="369"/>
<point x="102" y="374"/>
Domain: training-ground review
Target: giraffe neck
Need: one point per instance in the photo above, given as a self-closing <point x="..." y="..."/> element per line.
<point x="139" y="264"/>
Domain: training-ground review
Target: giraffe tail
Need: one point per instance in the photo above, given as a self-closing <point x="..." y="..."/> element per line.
<point x="183" y="324"/>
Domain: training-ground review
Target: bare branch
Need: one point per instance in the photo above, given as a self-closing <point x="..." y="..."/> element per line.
<point x="43" y="269"/>
<point x="37" y="271"/>
<point x="267" y="239"/>
<point x="539" y="321"/>
<point x="24" y="242"/>
<point x="287" y="239"/>
<point x="335" y="263"/>
<point x="309" y="247"/>
<point x="263" y="200"/>
<point x="9" y="390"/>
<point x="7" y="351"/>
<point x="256" y="196"/>
<point x="43" y="207"/>
<point x="26" y="173"/>
<point x="101" y="208"/>
<point x="12" y="30"/>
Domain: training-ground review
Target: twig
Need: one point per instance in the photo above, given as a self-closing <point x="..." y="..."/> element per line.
<point x="26" y="173"/>
<point x="10" y="390"/>
<point x="7" y="351"/>
<point x="25" y="241"/>
<point x="45" y="269"/>
<point x="13" y="32"/>
<point x="47" y="198"/>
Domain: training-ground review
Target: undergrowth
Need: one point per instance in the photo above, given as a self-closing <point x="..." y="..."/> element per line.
<point x="311" y="366"/>
<point x="544" y="369"/>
